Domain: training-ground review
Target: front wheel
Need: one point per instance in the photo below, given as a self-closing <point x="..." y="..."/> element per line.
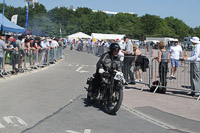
<point x="112" y="105"/>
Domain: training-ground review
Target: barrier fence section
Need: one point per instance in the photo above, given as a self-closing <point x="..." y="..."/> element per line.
<point x="136" y="69"/>
<point x="28" y="59"/>
<point x="181" y="80"/>
<point x="99" y="50"/>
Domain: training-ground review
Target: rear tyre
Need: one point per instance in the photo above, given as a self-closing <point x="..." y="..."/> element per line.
<point x="90" y="100"/>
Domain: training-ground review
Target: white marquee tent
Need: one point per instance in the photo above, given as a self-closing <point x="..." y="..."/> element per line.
<point x="100" y="36"/>
<point x="78" y="35"/>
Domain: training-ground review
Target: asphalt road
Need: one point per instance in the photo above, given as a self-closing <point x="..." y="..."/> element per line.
<point x="52" y="100"/>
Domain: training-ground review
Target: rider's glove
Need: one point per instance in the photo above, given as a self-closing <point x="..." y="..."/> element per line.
<point x="101" y="70"/>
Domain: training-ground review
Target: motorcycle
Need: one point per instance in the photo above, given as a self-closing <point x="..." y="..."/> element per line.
<point x="110" y="91"/>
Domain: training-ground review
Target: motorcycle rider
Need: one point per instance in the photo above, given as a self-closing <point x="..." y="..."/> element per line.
<point x="108" y="61"/>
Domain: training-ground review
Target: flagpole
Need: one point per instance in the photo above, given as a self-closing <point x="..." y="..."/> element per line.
<point x="60" y="33"/>
<point x="3" y="6"/>
<point x="27" y="12"/>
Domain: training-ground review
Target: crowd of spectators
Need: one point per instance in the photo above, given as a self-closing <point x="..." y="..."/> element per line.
<point x="14" y="49"/>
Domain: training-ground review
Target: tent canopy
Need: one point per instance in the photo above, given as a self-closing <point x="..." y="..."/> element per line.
<point x="107" y="36"/>
<point x="9" y="26"/>
<point x="78" y="35"/>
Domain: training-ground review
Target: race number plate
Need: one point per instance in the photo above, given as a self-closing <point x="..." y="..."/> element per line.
<point x="119" y="76"/>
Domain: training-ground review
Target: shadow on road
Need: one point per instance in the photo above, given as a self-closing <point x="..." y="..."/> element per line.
<point x="96" y="105"/>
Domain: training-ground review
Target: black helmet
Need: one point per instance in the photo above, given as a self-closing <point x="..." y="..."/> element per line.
<point x="114" y="46"/>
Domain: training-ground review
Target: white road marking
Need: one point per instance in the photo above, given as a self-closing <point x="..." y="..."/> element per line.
<point x="85" y="65"/>
<point x="70" y="131"/>
<point x="1" y="125"/>
<point x="87" y="131"/>
<point x="83" y="71"/>
<point x="9" y="121"/>
<point x="149" y="118"/>
<point x="78" y="69"/>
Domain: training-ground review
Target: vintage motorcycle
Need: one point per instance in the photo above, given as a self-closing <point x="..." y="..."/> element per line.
<point x="110" y="91"/>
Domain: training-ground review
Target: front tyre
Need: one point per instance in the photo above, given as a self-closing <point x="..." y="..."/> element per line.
<point x="112" y="106"/>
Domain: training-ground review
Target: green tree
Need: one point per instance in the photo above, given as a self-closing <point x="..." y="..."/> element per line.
<point x="197" y="31"/>
<point x="179" y="28"/>
<point x="85" y="20"/>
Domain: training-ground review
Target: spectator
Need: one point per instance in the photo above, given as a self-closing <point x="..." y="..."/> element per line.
<point x="3" y="47"/>
<point x="87" y="45"/>
<point x="174" y="53"/>
<point x="121" y="55"/>
<point x="128" y="59"/>
<point x="61" y="44"/>
<point x="27" y="49"/>
<point x="93" y="46"/>
<point x="138" y="61"/>
<point x="13" y="51"/>
<point x="34" y="47"/>
<point x="107" y="45"/>
<point x="147" y="46"/>
<point x="43" y="51"/>
<point x="55" y="45"/>
<point x="195" y="67"/>
<point x="20" y="53"/>
<point x="163" y="65"/>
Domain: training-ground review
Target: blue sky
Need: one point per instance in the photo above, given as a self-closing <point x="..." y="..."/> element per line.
<point x="186" y="10"/>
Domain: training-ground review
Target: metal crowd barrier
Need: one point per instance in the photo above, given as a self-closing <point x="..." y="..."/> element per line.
<point x="26" y="60"/>
<point x="99" y="50"/>
<point x="136" y="69"/>
<point x="180" y="81"/>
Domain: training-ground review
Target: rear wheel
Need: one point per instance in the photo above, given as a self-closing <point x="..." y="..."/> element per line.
<point x="90" y="100"/>
<point x="112" y="105"/>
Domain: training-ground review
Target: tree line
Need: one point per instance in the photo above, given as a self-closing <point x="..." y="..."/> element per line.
<point x="85" y="20"/>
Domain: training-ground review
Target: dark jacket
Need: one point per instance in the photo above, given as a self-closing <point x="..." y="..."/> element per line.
<point x="145" y="63"/>
<point x="106" y="62"/>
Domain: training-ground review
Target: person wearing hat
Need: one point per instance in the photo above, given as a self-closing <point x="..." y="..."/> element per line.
<point x="174" y="53"/>
<point x="195" y="67"/>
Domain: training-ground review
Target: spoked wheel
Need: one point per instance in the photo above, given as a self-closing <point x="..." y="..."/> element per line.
<point x="113" y="105"/>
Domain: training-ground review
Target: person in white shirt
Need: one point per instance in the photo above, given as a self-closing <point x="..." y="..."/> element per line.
<point x="174" y="53"/>
<point x="121" y="55"/>
<point x="195" y="67"/>
<point x="43" y="51"/>
<point x="54" y="45"/>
